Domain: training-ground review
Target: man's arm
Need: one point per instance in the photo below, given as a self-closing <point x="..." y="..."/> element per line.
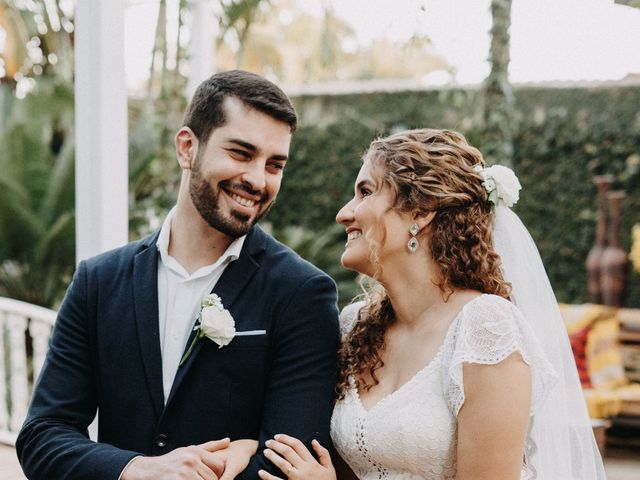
<point x="300" y="392"/>
<point x="53" y="442"/>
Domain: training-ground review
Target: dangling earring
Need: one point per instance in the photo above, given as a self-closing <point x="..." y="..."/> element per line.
<point x="412" y="245"/>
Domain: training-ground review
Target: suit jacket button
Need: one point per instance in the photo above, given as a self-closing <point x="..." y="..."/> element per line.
<point x="161" y="440"/>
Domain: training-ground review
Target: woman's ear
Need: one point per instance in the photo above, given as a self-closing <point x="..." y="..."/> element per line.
<point x="186" y="147"/>
<point x="423" y="220"/>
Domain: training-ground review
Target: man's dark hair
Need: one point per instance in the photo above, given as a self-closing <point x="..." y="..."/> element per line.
<point x="206" y="112"/>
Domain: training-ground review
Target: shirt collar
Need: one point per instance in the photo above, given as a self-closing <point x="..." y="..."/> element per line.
<point x="230" y="254"/>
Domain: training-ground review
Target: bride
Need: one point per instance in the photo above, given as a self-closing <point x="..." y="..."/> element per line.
<point x="456" y="365"/>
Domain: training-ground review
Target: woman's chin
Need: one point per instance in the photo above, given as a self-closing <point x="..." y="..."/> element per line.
<point x="354" y="264"/>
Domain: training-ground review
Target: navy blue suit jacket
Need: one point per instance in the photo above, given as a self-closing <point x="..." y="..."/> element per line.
<point x="105" y="353"/>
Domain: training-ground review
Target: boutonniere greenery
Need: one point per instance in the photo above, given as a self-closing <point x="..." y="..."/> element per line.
<point x="214" y="322"/>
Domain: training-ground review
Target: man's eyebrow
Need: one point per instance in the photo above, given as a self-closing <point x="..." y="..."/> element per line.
<point x="253" y="149"/>
<point x="243" y="144"/>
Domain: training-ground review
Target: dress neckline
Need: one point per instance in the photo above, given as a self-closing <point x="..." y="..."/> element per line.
<point x="429" y="366"/>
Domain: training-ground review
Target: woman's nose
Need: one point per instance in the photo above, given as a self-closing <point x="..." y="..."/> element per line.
<point x="345" y="214"/>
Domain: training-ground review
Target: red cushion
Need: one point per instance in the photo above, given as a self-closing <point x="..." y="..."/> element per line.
<point x="578" y="345"/>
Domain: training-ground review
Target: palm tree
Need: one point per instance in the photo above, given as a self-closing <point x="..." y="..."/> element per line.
<point x="39" y="39"/>
<point x="37" y="236"/>
<point x="237" y="18"/>
<point x="629" y="3"/>
<point x="498" y="116"/>
<point x="153" y="172"/>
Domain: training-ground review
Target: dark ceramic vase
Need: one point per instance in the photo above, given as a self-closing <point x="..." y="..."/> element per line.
<point x="613" y="263"/>
<point x="595" y="254"/>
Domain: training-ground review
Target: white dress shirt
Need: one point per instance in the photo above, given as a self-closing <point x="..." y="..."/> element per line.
<point x="179" y="298"/>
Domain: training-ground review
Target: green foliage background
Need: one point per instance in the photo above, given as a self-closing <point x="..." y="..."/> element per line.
<point x="562" y="137"/>
<point x="37" y="229"/>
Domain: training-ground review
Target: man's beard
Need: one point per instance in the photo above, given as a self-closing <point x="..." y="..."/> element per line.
<point x="205" y="199"/>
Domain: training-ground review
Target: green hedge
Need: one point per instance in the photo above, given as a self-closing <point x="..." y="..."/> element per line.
<point x="562" y="138"/>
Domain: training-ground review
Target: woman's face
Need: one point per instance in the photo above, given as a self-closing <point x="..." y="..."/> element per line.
<point x="371" y="224"/>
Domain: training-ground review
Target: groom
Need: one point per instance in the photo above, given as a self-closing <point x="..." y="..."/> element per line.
<point x="128" y="318"/>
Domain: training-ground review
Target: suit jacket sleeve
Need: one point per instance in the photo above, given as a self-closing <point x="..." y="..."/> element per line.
<point x="301" y="389"/>
<point x="53" y="442"/>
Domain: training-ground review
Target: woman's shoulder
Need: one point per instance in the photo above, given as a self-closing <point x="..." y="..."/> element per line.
<point x="490" y="300"/>
<point x="488" y="327"/>
<point x="490" y="308"/>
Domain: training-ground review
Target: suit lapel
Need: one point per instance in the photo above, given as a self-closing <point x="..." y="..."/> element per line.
<point x="228" y="287"/>
<point x="145" y="295"/>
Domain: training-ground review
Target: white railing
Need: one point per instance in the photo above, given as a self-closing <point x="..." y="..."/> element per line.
<point x="24" y="338"/>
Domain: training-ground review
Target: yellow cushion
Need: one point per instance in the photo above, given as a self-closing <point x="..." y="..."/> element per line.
<point x="604" y="358"/>
<point x="611" y="393"/>
<point x="577" y="317"/>
<point x="602" y="403"/>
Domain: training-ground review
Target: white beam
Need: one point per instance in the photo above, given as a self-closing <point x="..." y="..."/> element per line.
<point x="101" y="127"/>
<point x="202" y="44"/>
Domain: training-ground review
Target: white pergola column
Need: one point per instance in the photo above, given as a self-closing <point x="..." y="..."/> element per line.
<point x="202" y="43"/>
<point x="101" y="127"/>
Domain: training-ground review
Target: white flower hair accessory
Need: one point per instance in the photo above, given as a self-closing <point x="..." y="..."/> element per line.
<point x="215" y="323"/>
<point x="501" y="183"/>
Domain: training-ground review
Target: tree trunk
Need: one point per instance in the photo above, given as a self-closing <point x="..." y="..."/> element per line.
<point x="498" y="110"/>
<point x="159" y="54"/>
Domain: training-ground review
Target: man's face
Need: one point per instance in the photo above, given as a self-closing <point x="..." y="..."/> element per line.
<point x="236" y="175"/>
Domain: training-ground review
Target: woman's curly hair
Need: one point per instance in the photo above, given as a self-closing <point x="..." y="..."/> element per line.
<point x="428" y="170"/>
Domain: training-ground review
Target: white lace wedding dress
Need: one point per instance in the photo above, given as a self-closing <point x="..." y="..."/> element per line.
<point x="411" y="433"/>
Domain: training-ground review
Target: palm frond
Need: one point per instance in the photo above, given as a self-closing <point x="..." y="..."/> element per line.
<point x="59" y="196"/>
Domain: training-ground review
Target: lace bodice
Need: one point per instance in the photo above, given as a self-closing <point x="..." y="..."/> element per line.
<point x="411" y="433"/>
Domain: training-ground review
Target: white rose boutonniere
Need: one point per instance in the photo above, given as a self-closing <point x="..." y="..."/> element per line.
<point x="501" y="183"/>
<point x="216" y="323"/>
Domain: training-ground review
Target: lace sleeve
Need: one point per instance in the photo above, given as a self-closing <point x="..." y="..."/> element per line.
<point x="348" y="318"/>
<point x="487" y="331"/>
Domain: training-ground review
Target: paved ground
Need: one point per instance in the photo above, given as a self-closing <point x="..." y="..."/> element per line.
<point x="9" y="468"/>
<point x="620" y="465"/>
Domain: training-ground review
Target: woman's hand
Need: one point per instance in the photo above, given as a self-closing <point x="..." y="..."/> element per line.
<point x="296" y="462"/>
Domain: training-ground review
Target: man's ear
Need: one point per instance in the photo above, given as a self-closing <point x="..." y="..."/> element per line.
<point x="186" y="147"/>
<point x="424" y="219"/>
